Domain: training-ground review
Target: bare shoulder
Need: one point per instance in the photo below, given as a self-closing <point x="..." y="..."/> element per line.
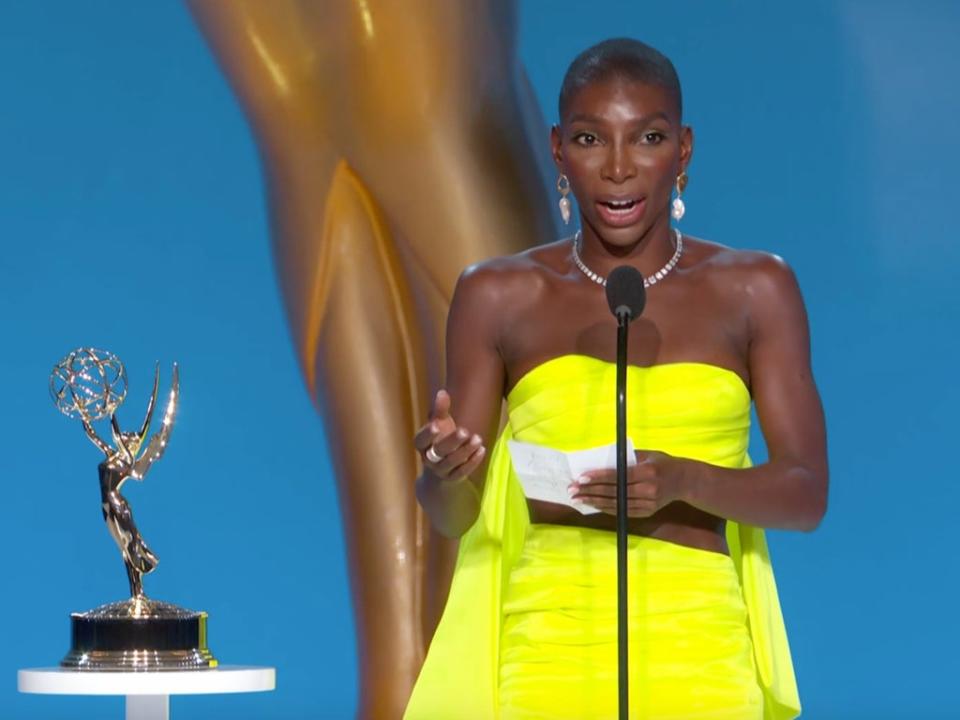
<point x="513" y="279"/>
<point x="757" y="274"/>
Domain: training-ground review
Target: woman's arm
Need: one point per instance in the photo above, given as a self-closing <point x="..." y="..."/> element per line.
<point x="790" y="490"/>
<point x="450" y="490"/>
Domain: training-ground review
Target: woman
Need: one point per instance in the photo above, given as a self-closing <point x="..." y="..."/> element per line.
<point x="530" y="626"/>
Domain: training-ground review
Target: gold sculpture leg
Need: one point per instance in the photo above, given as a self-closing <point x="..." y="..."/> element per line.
<point x="365" y="303"/>
<point x="396" y="142"/>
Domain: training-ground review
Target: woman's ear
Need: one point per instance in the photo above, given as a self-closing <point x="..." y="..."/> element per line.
<point x="686" y="147"/>
<point x="556" y="148"/>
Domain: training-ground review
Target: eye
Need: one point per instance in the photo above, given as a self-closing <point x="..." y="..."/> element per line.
<point x="654" y="137"/>
<point x="586" y="139"/>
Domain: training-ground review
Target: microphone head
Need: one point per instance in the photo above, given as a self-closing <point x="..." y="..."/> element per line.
<point x="625" y="292"/>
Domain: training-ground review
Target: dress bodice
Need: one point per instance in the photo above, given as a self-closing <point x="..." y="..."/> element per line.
<point x="687" y="409"/>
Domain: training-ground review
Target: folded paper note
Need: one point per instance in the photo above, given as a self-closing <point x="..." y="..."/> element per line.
<point x="546" y="473"/>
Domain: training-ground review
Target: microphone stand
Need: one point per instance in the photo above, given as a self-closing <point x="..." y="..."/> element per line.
<point x="623" y="681"/>
<point x="626" y="296"/>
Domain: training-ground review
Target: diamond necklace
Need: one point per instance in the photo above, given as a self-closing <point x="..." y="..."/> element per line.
<point x="647" y="281"/>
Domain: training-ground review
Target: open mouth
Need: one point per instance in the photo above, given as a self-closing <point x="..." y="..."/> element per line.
<point x="620" y="212"/>
<point x="620" y="205"/>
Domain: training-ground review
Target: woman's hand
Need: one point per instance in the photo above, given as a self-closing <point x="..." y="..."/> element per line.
<point x="448" y="451"/>
<point x="655" y="481"/>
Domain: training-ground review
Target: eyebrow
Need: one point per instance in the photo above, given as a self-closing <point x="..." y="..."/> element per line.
<point x="582" y="117"/>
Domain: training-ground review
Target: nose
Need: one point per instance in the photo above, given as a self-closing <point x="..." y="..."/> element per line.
<point x="618" y="165"/>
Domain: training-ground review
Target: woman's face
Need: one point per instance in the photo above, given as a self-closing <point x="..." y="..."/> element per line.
<point x="621" y="144"/>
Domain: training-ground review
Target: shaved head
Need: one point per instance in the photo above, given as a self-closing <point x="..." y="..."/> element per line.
<point x="620" y="59"/>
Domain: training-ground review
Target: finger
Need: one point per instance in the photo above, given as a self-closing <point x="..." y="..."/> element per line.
<point x="471" y="465"/>
<point x="635" y="473"/>
<point x="604" y="505"/>
<point x="635" y="491"/>
<point x="641" y="509"/>
<point x="598" y="477"/>
<point x="608" y="494"/>
<point x="580" y="492"/>
<point x="635" y="509"/>
<point x="425" y="436"/>
<point x="459" y="456"/>
<point x="441" y="405"/>
<point x="451" y="442"/>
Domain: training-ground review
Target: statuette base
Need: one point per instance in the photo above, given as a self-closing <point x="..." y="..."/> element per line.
<point x="138" y="634"/>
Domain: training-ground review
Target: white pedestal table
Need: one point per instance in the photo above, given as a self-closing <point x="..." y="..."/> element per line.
<point x="148" y="693"/>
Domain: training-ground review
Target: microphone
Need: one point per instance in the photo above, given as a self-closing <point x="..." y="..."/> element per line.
<point x="626" y="295"/>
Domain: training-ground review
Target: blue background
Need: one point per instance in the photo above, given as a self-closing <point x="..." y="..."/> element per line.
<point x="132" y="217"/>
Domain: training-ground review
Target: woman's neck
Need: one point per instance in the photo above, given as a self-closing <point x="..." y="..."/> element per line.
<point x="648" y="253"/>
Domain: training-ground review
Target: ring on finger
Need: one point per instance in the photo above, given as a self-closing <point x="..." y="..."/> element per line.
<point x="432" y="456"/>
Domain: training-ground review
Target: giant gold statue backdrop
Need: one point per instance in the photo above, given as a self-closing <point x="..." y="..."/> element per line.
<point x="397" y="144"/>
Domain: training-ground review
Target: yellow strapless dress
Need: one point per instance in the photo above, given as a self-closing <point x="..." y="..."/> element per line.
<point x="529" y="629"/>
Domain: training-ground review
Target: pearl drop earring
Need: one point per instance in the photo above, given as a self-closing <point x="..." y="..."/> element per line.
<point x="563" y="187"/>
<point x="678" y="208"/>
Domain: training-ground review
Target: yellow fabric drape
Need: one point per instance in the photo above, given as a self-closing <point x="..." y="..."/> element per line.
<point x="691" y="410"/>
